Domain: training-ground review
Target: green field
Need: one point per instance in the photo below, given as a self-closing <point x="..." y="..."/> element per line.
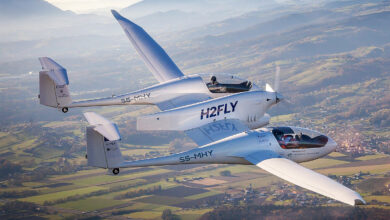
<point x="91" y="204"/>
<point x="378" y="198"/>
<point x="323" y="162"/>
<point x="58" y="195"/>
<point x="372" y="157"/>
<point x="202" y="195"/>
<point x="375" y="169"/>
<point x="145" y="215"/>
<point x="192" y="214"/>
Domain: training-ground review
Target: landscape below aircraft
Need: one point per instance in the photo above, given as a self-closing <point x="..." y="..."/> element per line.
<point x="230" y="141"/>
<point x="174" y="88"/>
<point x="209" y="111"/>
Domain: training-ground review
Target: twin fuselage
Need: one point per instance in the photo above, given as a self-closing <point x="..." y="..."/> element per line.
<point x="248" y="107"/>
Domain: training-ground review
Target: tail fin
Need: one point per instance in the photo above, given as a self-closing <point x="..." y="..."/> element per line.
<point x="102" y="146"/>
<point x="268" y="88"/>
<point x="53" y="84"/>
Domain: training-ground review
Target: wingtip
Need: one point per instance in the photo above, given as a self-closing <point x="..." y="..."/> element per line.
<point x="360" y="202"/>
<point x="117" y="15"/>
<point x="88" y="116"/>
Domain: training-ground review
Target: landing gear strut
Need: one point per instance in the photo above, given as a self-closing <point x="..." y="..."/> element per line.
<point x="115" y="171"/>
<point x="65" y="109"/>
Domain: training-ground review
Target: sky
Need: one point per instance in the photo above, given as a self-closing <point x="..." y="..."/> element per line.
<point x="89" y="6"/>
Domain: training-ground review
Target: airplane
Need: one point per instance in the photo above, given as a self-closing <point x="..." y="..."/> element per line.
<point x="173" y="90"/>
<point x="277" y="150"/>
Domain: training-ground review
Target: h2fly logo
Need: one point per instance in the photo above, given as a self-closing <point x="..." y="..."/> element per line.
<point x="217" y="110"/>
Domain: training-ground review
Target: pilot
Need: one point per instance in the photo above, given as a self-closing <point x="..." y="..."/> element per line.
<point x="298" y="137"/>
<point x="213" y="80"/>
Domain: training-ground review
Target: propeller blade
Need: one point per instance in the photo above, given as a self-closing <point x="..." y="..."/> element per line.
<point x="277" y="78"/>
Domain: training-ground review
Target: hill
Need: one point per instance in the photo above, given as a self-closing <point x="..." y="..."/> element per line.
<point x="16" y="9"/>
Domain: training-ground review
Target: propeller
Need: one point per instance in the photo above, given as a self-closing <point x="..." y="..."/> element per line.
<point x="286" y="103"/>
<point x="277" y="78"/>
<point x="268" y="88"/>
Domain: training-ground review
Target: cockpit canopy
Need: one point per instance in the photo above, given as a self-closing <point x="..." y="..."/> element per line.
<point x="225" y="83"/>
<point x="298" y="138"/>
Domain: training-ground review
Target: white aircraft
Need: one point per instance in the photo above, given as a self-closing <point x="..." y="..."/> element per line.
<point x="174" y="88"/>
<point x="228" y="141"/>
<point x="209" y="112"/>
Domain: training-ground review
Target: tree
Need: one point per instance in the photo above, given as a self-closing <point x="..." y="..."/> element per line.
<point x="7" y="168"/>
<point x="168" y="215"/>
<point x="225" y="173"/>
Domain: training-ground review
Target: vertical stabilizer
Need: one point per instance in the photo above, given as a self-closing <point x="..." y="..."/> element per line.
<point x="102" y="142"/>
<point x="53" y="84"/>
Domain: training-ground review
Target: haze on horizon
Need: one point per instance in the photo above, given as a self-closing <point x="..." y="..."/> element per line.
<point x="91" y="6"/>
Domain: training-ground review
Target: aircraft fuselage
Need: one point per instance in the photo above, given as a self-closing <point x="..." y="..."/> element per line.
<point x="228" y="151"/>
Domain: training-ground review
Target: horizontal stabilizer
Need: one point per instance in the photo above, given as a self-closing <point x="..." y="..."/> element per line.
<point x="103" y="126"/>
<point x="55" y="71"/>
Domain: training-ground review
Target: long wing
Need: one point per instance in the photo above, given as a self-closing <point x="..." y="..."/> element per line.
<point x="157" y="60"/>
<point x="306" y="178"/>
<point x="182" y="100"/>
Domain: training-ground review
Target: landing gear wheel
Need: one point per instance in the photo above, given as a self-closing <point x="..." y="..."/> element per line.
<point x="65" y="109"/>
<point x="115" y="171"/>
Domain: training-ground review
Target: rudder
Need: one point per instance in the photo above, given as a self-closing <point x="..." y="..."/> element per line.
<point x="102" y="142"/>
<point x="102" y="152"/>
<point x="53" y="84"/>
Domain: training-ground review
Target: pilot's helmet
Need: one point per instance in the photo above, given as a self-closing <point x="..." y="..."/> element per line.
<point x="213" y="79"/>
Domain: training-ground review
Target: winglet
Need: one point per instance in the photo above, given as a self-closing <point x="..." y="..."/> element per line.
<point x="360" y="202"/>
<point x="57" y="72"/>
<point x="102" y="125"/>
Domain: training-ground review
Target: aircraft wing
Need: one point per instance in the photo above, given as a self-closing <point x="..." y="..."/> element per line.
<point x="182" y="100"/>
<point x="304" y="177"/>
<point x="215" y="131"/>
<point x="157" y="60"/>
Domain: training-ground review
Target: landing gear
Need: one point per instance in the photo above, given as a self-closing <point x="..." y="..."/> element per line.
<point x="86" y="156"/>
<point x="115" y="171"/>
<point x="65" y="109"/>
